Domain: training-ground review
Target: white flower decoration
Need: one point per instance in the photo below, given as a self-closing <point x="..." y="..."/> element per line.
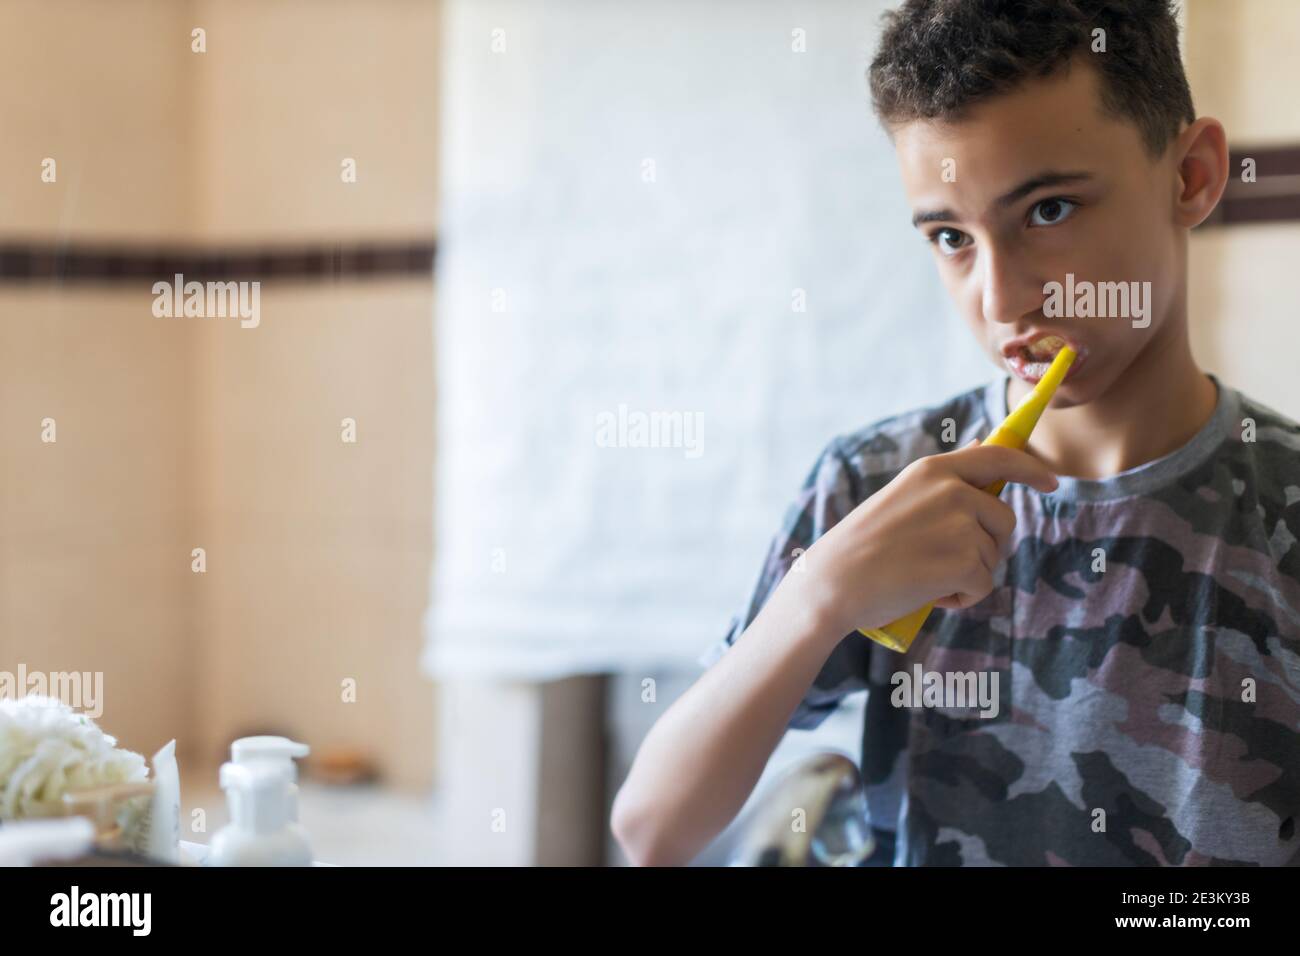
<point x="48" y="749"/>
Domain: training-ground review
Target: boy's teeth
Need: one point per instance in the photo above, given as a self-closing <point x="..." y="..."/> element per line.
<point x="1046" y="347"/>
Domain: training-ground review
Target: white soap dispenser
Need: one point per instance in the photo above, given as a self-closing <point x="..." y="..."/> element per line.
<point x="278" y="750"/>
<point x="260" y="832"/>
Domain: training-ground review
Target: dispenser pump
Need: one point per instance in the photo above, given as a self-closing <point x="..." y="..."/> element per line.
<point x="279" y="749"/>
<point x="260" y="788"/>
<point x="276" y="751"/>
<point x="263" y="796"/>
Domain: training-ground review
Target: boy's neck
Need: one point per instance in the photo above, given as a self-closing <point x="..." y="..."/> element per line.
<point x="1155" y="407"/>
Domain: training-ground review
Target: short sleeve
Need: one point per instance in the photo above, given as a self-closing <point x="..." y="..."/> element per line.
<point x="830" y="492"/>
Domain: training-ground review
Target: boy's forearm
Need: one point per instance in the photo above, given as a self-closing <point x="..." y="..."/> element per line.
<point x="699" y="763"/>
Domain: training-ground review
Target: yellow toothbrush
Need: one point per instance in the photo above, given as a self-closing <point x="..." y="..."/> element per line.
<point x="1012" y="433"/>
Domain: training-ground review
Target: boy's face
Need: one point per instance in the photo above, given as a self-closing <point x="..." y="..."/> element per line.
<point x="1033" y="185"/>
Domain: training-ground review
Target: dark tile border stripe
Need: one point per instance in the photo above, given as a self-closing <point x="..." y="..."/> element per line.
<point x="108" y="263"/>
<point x="1273" y="197"/>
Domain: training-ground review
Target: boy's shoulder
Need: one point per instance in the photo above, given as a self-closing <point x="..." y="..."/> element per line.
<point x="1271" y="427"/>
<point x="1264" y="462"/>
<point x="1260" y="446"/>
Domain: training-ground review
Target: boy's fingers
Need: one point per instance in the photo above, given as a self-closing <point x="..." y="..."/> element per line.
<point x="990" y="549"/>
<point x="989" y="463"/>
<point x="996" y="517"/>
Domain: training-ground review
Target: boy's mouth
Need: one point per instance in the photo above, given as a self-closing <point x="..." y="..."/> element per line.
<point x="1028" y="356"/>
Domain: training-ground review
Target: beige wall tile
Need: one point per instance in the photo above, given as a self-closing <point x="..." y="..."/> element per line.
<point x="1238" y="58"/>
<point x="94" y="553"/>
<point x="1241" y="301"/>
<point x="182" y="433"/>
<point x="323" y="546"/>
<point x="102" y="89"/>
<point x="1243" y="313"/>
<point x="288" y="89"/>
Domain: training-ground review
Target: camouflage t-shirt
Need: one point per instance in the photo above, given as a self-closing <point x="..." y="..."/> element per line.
<point x="1144" y="636"/>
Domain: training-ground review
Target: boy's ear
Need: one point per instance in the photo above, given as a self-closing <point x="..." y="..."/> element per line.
<point x="1202" y="170"/>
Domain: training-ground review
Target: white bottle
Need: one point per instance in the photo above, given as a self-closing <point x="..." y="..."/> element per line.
<point x="260" y="832"/>
<point x="278" y="750"/>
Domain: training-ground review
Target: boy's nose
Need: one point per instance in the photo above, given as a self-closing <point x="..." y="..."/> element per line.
<point x="1009" y="292"/>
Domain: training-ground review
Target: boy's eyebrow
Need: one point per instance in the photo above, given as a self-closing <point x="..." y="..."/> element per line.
<point x="1046" y="178"/>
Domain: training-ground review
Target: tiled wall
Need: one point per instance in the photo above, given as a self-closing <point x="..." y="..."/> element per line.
<point x="319" y="549"/>
<point x="182" y="433"/>
<point x="1242" y="295"/>
<point x="95" y="527"/>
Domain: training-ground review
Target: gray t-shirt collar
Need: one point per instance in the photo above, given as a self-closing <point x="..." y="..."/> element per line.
<point x="1144" y="478"/>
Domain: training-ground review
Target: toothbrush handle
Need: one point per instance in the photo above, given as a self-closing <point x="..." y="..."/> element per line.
<point x="1012" y="433"/>
<point x="898" y="635"/>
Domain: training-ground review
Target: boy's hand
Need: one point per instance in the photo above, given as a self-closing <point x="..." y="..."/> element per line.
<point x="931" y="534"/>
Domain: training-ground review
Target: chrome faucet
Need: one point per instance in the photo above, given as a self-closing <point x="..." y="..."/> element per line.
<point x="815" y="815"/>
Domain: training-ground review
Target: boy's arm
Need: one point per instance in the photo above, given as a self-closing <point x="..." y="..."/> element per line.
<point x="928" y="533"/>
<point x="703" y="757"/>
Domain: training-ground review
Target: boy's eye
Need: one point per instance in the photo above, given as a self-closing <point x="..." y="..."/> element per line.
<point x="949" y="241"/>
<point x="1049" y="212"/>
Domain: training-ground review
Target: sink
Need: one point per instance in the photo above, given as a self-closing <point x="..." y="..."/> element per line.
<point x="815" y="814"/>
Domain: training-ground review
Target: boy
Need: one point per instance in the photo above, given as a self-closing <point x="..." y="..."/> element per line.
<point x="1141" y="612"/>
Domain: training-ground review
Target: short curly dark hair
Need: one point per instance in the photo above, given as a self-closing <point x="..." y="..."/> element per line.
<point x="937" y="57"/>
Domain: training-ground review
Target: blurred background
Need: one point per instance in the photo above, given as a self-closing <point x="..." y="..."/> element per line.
<point x="498" y="237"/>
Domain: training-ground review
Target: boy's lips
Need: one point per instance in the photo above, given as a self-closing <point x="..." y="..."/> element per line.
<point x="1028" y="356"/>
